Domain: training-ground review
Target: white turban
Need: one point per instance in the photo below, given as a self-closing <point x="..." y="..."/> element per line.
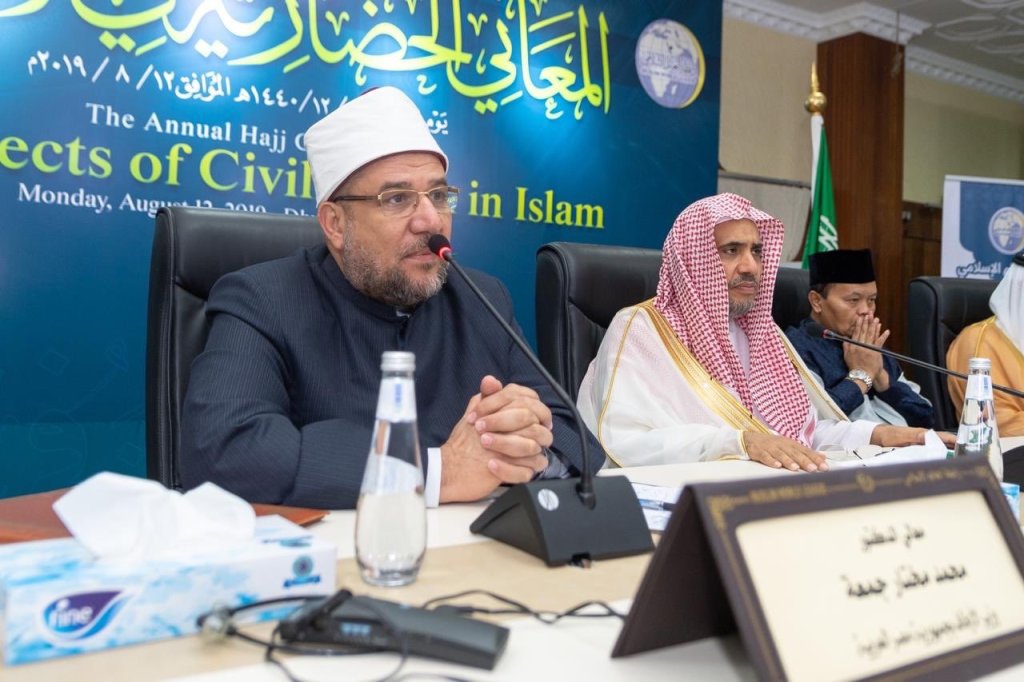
<point x="1007" y="302"/>
<point x="378" y="123"/>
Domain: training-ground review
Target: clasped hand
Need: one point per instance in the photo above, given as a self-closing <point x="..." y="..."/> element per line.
<point x="499" y="439"/>
<point x="868" y="330"/>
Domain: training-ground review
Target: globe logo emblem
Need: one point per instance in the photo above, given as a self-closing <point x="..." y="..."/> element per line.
<point x="1006" y="230"/>
<point x="302" y="566"/>
<point x="669" y="63"/>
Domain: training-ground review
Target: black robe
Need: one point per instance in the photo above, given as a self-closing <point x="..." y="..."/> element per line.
<point x="280" y="405"/>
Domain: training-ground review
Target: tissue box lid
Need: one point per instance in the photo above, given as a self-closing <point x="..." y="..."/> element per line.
<point x="31" y="517"/>
<point x="42" y="560"/>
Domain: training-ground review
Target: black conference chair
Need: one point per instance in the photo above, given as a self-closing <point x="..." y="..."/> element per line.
<point x="192" y="248"/>
<point x="580" y="287"/>
<point x="938" y="308"/>
<point x="790" y="304"/>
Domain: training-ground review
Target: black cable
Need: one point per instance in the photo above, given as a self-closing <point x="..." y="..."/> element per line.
<point x="546" y="617"/>
<point x="225" y="626"/>
<point x="219" y="622"/>
<point x="269" y="657"/>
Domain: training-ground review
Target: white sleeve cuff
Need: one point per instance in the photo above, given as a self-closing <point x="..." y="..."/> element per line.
<point x="432" y="486"/>
<point x="739" y="447"/>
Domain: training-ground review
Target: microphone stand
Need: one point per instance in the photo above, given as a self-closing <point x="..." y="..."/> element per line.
<point x="585" y="489"/>
<point x="559" y="520"/>
<point x="831" y="335"/>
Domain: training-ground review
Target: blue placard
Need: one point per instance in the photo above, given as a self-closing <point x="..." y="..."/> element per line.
<point x="982" y="226"/>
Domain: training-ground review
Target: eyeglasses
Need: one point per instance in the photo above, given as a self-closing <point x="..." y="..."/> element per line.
<point x="399" y="203"/>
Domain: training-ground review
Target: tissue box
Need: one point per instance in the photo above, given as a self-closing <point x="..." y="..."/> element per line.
<point x="57" y="600"/>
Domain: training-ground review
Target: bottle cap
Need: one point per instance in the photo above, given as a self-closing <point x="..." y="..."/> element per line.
<point x="397" y="361"/>
<point x="979" y="363"/>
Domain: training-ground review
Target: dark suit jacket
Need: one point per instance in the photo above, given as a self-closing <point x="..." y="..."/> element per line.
<point x="280" y="404"/>
<point x="824" y="357"/>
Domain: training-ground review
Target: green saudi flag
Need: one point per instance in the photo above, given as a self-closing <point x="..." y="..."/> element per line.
<point x="821" y="229"/>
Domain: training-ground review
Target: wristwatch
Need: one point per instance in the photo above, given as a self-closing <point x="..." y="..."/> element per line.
<point x="861" y="375"/>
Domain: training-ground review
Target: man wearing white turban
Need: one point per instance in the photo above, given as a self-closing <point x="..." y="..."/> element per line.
<point x="701" y="371"/>
<point x="999" y="338"/>
<point x="280" y="405"/>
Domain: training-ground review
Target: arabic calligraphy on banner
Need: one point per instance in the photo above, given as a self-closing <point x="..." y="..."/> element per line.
<point x="490" y="57"/>
<point x="232" y="85"/>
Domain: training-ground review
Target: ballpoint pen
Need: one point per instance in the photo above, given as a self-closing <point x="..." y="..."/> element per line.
<point x="880" y="452"/>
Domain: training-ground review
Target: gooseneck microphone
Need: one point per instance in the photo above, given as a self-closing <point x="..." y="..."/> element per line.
<point x="442" y="247"/>
<point x="816" y="329"/>
<point x="559" y="520"/>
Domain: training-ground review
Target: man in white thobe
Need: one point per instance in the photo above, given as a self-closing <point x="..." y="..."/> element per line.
<point x="701" y="371"/>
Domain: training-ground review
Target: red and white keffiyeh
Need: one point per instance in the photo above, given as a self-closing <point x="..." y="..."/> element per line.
<point x="693" y="297"/>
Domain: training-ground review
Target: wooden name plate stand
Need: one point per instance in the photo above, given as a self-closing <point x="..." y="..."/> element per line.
<point x="901" y="572"/>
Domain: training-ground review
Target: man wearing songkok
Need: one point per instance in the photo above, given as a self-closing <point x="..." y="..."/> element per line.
<point x="280" y="405"/>
<point x="864" y="383"/>
<point x="999" y="338"/>
<point x="701" y="371"/>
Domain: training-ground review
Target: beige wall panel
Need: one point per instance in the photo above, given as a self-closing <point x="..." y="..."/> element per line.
<point x="950" y="130"/>
<point x="765" y="80"/>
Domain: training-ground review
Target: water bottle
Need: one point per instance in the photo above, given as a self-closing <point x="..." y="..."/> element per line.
<point x="978" y="434"/>
<point x="391" y="517"/>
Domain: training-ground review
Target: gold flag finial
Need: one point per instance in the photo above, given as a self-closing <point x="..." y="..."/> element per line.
<point x="816" y="101"/>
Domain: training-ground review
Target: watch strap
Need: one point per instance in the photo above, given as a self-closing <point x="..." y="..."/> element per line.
<point x="861" y="375"/>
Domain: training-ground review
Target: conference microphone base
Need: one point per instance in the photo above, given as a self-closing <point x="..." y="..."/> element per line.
<point x="547" y="519"/>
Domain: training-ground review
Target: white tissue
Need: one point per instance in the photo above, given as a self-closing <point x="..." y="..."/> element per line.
<point x="127" y="518"/>
<point x="933" y="448"/>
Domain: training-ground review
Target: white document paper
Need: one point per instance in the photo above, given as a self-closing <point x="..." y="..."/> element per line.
<point x="873" y="456"/>
<point x="657" y="502"/>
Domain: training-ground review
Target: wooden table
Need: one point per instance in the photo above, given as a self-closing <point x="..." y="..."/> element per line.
<point x="457" y="561"/>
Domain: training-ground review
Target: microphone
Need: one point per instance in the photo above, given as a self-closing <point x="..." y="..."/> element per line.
<point x="815" y="329"/>
<point x="559" y="520"/>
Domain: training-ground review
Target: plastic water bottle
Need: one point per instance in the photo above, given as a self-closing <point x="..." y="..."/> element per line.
<point x="978" y="434"/>
<point x="391" y="518"/>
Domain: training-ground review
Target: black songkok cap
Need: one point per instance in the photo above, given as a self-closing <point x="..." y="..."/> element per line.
<point x="842" y="266"/>
<point x="1019" y="259"/>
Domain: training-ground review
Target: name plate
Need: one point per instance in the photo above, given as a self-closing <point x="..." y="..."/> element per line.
<point x="908" y="570"/>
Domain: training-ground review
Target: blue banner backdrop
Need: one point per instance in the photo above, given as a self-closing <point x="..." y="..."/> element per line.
<point x="586" y="120"/>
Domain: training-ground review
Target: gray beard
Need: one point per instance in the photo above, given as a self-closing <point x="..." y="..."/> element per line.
<point x="387" y="286"/>
<point x="739" y="309"/>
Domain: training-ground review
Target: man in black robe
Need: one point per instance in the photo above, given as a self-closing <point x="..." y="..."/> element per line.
<point x="281" y="403"/>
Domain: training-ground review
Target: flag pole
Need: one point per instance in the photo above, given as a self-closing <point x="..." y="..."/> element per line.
<point x="815" y="104"/>
<point x="821" y="229"/>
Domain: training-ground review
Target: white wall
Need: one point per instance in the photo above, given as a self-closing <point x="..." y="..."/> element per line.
<point x="765" y="80"/>
<point x="950" y="130"/>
